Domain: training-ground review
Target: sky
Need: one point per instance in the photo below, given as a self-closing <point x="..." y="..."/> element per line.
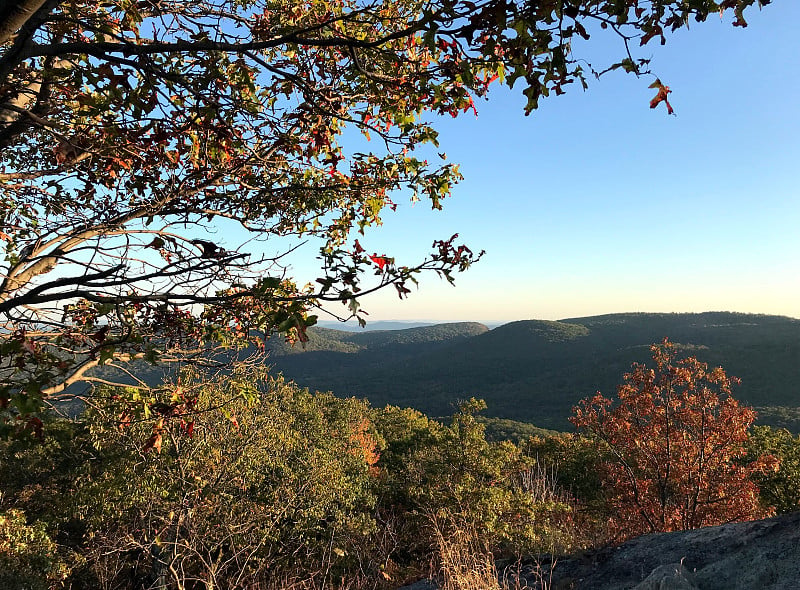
<point x="597" y="204"/>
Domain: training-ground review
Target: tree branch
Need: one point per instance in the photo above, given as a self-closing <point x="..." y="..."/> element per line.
<point x="14" y="15"/>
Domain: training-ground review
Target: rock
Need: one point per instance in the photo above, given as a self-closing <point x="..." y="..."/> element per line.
<point x="762" y="554"/>
<point x="668" y="577"/>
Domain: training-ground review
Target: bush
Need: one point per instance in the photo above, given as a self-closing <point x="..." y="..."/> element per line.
<point x="676" y="437"/>
<point x="277" y="488"/>
<point x="449" y="479"/>
<point x="28" y="557"/>
<point x="777" y="488"/>
<point x="282" y="488"/>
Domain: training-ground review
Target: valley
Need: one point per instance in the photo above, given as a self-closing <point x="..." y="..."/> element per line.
<point x="535" y="371"/>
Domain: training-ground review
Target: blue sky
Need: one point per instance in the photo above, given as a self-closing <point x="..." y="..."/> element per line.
<point x="597" y="204"/>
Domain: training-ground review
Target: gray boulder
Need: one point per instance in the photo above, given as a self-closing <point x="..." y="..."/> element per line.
<point x="668" y="577"/>
<point x="761" y="554"/>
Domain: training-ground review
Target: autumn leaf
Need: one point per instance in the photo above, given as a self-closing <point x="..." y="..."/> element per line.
<point x="36" y="426"/>
<point x="124" y="420"/>
<point x="163" y="409"/>
<point x="209" y="249"/>
<point x="663" y="92"/>
<point x="154" y="442"/>
<point x="156" y="244"/>
<point x="100" y="335"/>
<point x="379" y="260"/>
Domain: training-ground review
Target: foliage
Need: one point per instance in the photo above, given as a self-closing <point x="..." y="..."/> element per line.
<point x="41" y="476"/>
<point x="572" y="464"/>
<point x="148" y="148"/>
<point x="675" y="436"/>
<point x="281" y="488"/>
<point x="279" y="481"/>
<point x="450" y="478"/>
<point x="779" y="488"/>
<point x="498" y="429"/>
<point x="28" y="557"/>
<point x="284" y="488"/>
<point x="575" y="463"/>
<point x="276" y="478"/>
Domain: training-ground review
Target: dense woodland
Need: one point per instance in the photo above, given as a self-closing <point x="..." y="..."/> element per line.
<point x="535" y="371"/>
<point x="146" y="442"/>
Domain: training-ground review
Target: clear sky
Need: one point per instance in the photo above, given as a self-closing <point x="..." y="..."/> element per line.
<point x="597" y="204"/>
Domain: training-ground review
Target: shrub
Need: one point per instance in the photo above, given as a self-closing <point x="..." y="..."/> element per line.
<point x="779" y="488"/>
<point x="675" y="436"/>
<point x="450" y="479"/>
<point x="277" y="489"/>
<point x="28" y="557"/>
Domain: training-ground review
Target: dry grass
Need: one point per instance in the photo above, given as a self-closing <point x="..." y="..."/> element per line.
<point x="467" y="563"/>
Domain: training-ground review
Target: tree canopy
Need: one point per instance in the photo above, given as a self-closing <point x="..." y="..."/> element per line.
<point x="676" y="441"/>
<point x="134" y="133"/>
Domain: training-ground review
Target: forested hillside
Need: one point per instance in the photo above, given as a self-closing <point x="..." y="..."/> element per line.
<point x="413" y="340"/>
<point x="535" y="371"/>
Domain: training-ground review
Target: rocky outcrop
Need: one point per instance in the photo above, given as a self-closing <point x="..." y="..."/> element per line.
<point x="762" y="555"/>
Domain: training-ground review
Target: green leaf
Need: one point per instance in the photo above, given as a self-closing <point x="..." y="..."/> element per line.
<point x="106" y="354"/>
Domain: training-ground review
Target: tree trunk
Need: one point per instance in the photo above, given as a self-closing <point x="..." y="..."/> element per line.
<point x="14" y="14"/>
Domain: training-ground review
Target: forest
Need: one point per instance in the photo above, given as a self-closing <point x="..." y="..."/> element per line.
<point x="534" y="371"/>
<point x="147" y="440"/>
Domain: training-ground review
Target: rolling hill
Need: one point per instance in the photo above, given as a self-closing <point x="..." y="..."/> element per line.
<point x="535" y="370"/>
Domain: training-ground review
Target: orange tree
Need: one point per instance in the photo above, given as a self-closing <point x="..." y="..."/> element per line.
<point x="675" y="437"/>
<point x="150" y="148"/>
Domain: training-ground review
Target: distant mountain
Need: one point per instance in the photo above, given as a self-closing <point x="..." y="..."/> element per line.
<point x="534" y="370"/>
<point x="352" y="326"/>
<point x="326" y="339"/>
<point x="371" y="326"/>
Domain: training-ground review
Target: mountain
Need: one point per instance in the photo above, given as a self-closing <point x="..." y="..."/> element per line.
<point x="534" y="370"/>
<point x="371" y="341"/>
<point x="352" y="326"/>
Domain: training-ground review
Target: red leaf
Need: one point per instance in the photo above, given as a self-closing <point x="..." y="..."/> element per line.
<point x="663" y="92"/>
<point x="358" y="248"/>
<point x="100" y="335"/>
<point x="36" y="426"/>
<point x="379" y="260"/>
<point x="154" y="442"/>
